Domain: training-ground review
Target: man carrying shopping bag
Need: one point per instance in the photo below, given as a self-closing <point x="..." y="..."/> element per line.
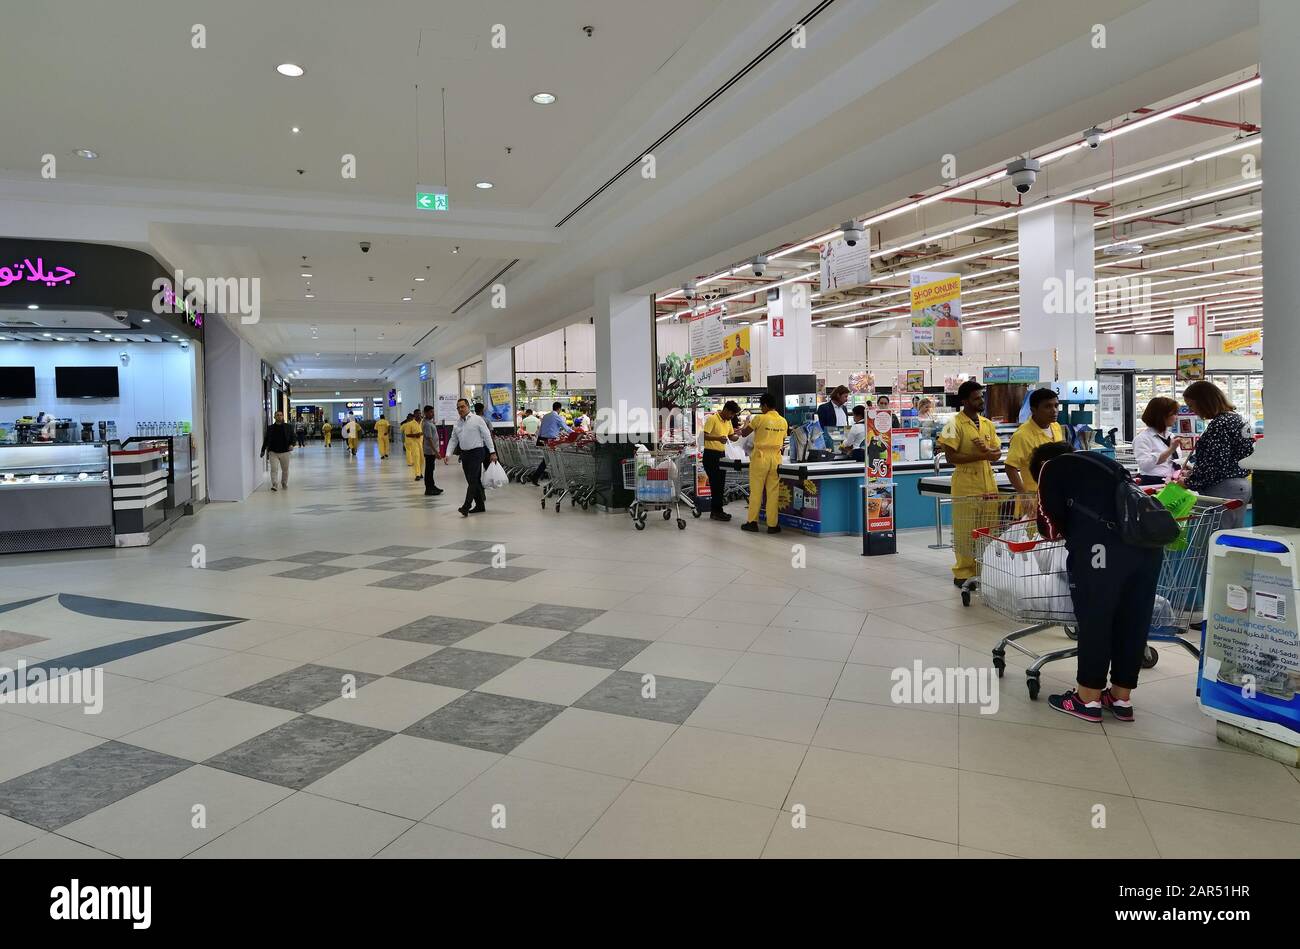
<point x="472" y="440"/>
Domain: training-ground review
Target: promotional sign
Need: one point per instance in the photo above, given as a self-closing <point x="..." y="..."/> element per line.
<point x="1249" y="343"/>
<point x="499" y="406"/>
<point x="844" y="266"/>
<point x="444" y="410"/>
<point x="800" y="505"/>
<point x="862" y="382"/>
<point x="905" y="445"/>
<point x="936" y="314"/>
<point x="993" y="375"/>
<point x="1189" y="364"/>
<point x="880" y="473"/>
<point x="1023" y="375"/>
<point x="1110" y="401"/>
<point x="719" y="357"/>
<point x="915" y="381"/>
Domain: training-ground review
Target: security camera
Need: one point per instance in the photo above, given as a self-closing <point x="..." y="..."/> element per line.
<point x="852" y="232"/>
<point x="760" y="266"/>
<point x="120" y="316"/>
<point x="688" y="290"/>
<point x="365" y="247"/>
<point x="1023" y="172"/>
<point x="185" y="344"/>
<point x="1092" y="137"/>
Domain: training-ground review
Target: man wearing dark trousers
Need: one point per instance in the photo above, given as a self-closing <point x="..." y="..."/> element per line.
<point x="717" y="432"/>
<point x="1112" y="583"/>
<point x="430" y="444"/>
<point x="472" y="440"/>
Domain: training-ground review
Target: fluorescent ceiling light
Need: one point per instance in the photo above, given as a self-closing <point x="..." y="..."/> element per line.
<point x="32" y="306"/>
<point x="86" y="153"/>
<point x="292" y="70"/>
<point x="543" y="98"/>
<point x="419" y="279"/>
<point x="305" y="275"/>
<point x="483" y="185"/>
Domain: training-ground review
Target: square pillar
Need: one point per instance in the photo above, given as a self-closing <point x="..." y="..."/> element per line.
<point x="1057" y="322"/>
<point x="789" y="331"/>
<point x="625" y="362"/>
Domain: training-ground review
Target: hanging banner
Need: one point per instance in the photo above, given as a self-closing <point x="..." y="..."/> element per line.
<point x="936" y="314"/>
<point x="1189" y="364"/>
<point x="844" y="266"/>
<point x="498" y="407"/>
<point x="1249" y="343"/>
<point x="718" y="357"/>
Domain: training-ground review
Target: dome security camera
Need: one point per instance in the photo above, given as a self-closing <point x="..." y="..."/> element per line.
<point x="1092" y="137"/>
<point x="759" y="265"/>
<point x="688" y="290"/>
<point x="365" y="247"/>
<point x="1023" y="172"/>
<point x="852" y="232"/>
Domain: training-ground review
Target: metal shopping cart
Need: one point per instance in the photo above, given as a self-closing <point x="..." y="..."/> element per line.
<point x="558" y="486"/>
<point x="657" y="479"/>
<point x="530" y="459"/>
<point x="985" y="511"/>
<point x="580" y="472"/>
<point x="1023" y="577"/>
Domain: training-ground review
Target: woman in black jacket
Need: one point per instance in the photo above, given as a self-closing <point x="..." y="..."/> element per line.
<point x="1216" y="469"/>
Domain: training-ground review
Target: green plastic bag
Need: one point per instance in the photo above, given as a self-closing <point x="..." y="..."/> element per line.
<point x="1179" y="502"/>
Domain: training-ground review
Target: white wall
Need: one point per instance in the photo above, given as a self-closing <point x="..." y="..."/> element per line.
<point x="156" y="385"/>
<point x="233" y="373"/>
<point x="567" y="355"/>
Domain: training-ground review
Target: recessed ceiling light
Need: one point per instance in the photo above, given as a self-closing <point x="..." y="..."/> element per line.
<point x="146" y="320"/>
<point x="292" y="70"/>
<point x="483" y="185"/>
<point x="456" y="249"/>
<point x="296" y="130"/>
<point x="419" y="279"/>
<point x="58" y="339"/>
<point x="305" y="275"/>
<point x="47" y="334"/>
<point x="86" y="153"/>
<point x="543" y="98"/>
<point x="310" y="296"/>
<point x="32" y="306"/>
<point x="406" y="299"/>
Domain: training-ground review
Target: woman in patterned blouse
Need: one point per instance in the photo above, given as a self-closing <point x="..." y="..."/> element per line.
<point x="1217" y="470"/>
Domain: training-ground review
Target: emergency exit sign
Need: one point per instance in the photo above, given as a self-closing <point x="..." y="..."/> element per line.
<point x="432" y="200"/>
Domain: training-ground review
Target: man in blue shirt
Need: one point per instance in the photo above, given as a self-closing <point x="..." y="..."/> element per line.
<point x="553" y="426"/>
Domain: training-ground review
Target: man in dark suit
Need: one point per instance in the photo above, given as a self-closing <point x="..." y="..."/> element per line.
<point x="831" y="413"/>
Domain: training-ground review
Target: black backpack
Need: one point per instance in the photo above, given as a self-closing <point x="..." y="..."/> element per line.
<point x="1140" y="520"/>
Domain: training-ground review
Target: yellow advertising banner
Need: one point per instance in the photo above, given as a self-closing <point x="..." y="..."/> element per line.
<point x="730" y="363"/>
<point x="936" y="314"/>
<point x="1243" y="344"/>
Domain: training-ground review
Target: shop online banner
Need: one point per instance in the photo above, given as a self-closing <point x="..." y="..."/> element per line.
<point x="936" y="314"/>
<point x="719" y="357"/>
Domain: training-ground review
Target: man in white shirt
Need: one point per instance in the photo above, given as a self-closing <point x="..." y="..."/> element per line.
<point x="472" y="440"/>
<point x="855" y="440"/>
<point x="352" y="432"/>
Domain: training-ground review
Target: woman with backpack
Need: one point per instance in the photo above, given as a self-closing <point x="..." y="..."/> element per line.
<point x="1114" y="540"/>
<point x="1216" y="468"/>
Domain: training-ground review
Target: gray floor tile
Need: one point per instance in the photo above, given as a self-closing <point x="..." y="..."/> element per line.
<point x="302" y="689"/>
<point x="401" y="564"/>
<point x="410" y="581"/>
<point x="487" y="722"/>
<point x="553" y="616"/>
<point x="484" y="557"/>
<point x="674" y="699"/>
<point x="62" y="792"/>
<point x="299" y="752"/>
<point x="395" y="550"/>
<point x="504" y="574"/>
<point x="233" y="563"/>
<point x="437" y="630"/>
<point x="315" y="556"/>
<point x="313" y="572"/>
<point x="589" y="649"/>
<point x="458" y="668"/>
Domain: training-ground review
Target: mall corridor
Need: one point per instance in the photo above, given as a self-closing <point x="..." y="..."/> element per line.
<point x="501" y="709"/>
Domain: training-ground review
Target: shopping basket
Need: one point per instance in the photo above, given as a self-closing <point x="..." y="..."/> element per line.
<point x="1024" y="578"/>
<point x="657" y="479"/>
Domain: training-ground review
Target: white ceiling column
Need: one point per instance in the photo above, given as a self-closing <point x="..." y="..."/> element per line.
<point x="789" y="332"/>
<point x="625" y="377"/>
<point x="1056" y="268"/>
<point x="1276" y="462"/>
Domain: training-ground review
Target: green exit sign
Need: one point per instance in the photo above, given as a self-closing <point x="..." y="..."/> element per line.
<point x="432" y="201"/>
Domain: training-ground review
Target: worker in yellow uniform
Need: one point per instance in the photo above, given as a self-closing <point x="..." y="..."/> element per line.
<point x="352" y="432"/>
<point x="1040" y="428"/>
<point x="381" y="434"/>
<point x="411" y="435"/>
<point x="327" y="430"/>
<point x="970" y="443"/>
<point x="769" y="429"/>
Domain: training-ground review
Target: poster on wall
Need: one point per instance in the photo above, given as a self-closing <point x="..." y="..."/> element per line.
<point x="1189" y="364"/>
<point x="1249" y="343"/>
<point x="444" y="410"/>
<point x="844" y="266"/>
<point x="719" y="357"/>
<point x="862" y="382"/>
<point x="936" y="314"/>
<point x="915" y="381"/>
<point x="499" y="404"/>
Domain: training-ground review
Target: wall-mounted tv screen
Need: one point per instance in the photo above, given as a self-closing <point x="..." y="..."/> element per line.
<point x="17" y="382"/>
<point x="85" y="382"/>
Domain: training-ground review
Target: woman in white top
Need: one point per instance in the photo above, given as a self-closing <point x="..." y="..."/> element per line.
<point x="1153" y="448"/>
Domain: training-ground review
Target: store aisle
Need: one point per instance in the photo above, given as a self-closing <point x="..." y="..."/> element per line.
<point x="533" y="684"/>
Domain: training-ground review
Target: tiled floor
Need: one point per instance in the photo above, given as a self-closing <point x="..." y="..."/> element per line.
<point x="351" y="669"/>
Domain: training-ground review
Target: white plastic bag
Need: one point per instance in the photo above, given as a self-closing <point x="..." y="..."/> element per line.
<point x="733" y="452"/>
<point x="495" y="476"/>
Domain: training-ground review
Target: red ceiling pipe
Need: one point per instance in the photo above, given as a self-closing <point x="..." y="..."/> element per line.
<point x="1247" y="127"/>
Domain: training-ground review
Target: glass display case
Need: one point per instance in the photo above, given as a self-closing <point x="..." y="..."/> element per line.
<point x="55" y="497"/>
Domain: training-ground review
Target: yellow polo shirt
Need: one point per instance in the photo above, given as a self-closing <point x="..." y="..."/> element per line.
<point x="716" y="432"/>
<point x="770" y="430"/>
<point x="959" y="434"/>
<point x="381" y="428"/>
<point x="1028" y="437"/>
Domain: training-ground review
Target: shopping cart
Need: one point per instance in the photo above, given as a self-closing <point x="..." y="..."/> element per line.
<point x="657" y="481"/>
<point x="984" y="511"/>
<point x="558" y="486"/>
<point x="530" y="459"/>
<point x="580" y="472"/>
<point x="1023" y="577"/>
<point x="508" y="455"/>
